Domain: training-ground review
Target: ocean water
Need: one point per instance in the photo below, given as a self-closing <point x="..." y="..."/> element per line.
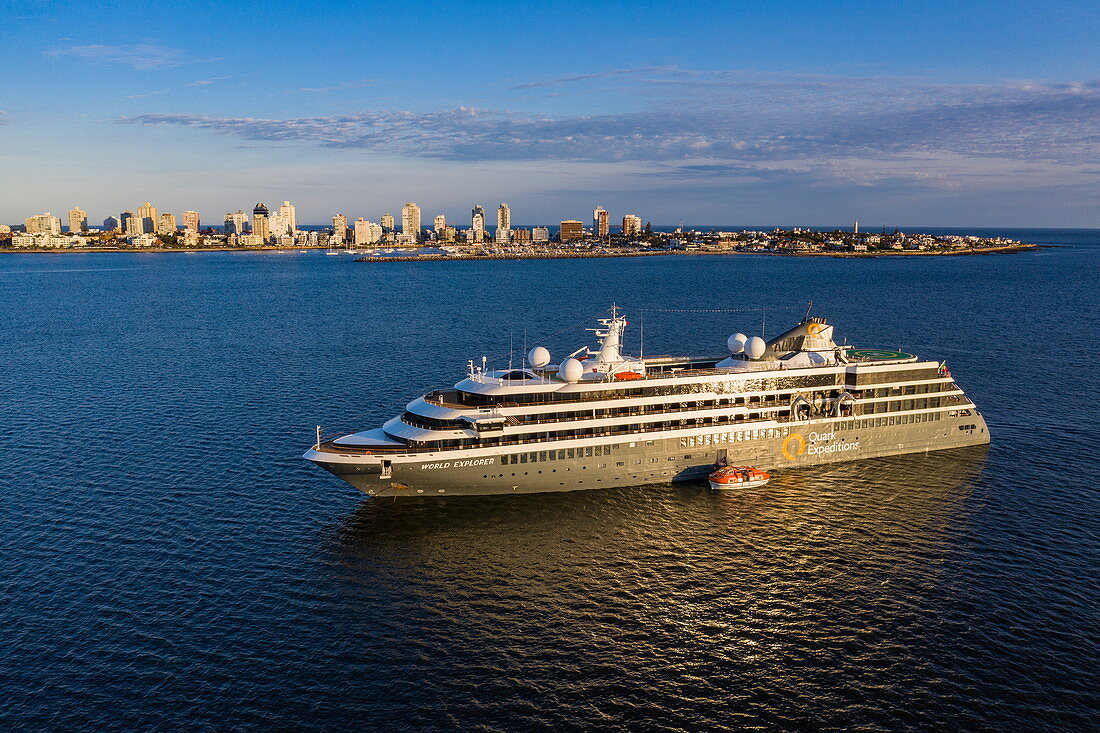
<point x="167" y="560"/>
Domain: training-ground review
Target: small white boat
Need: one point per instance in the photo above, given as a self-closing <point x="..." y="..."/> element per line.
<point x="737" y="477"/>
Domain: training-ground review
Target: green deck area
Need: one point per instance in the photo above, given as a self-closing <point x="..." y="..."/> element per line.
<point x="877" y="354"/>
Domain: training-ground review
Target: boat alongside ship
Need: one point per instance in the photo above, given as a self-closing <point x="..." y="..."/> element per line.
<point x="601" y="418"/>
<point x="725" y="478"/>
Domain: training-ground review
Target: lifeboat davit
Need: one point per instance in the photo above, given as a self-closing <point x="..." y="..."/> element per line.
<point x="738" y="477"/>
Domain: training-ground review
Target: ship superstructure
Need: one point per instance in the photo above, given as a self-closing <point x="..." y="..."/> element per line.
<point x="601" y="418"/>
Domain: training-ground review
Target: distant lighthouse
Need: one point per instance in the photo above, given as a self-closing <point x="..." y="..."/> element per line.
<point x="855" y="227"/>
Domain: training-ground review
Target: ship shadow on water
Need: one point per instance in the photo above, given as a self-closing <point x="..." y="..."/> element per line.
<point x="655" y="599"/>
<point x="916" y="493"/>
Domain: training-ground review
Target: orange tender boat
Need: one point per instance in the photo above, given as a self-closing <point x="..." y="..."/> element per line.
<point x="738" y="477"/>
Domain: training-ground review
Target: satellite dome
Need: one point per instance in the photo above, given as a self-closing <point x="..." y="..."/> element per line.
<point x="538" y="357"/>
<point x="571" y="370"/>
<point x="755" y="347"/>
<point x="736" y="343"/>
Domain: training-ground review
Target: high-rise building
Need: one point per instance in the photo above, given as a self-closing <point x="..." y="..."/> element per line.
<point x="387" y="222"/>
<point x="570" y="230"/>
<point x="521" y="236"/>
<point x="599" y="222"/>
<point x="191" y="221"/>
<point x="440" y="224"/>
<point x="149" y="219"/>
<point x="290" y="218"/>
<point x="540" y="234"/>
<point x="410" y="220"/>
<point x="632" y="225"/>
<point x="166" y="224"/>
<point x="277" y="224"/>
<point x="261" y="227"/>
<point x="339" y="229"/>
<point x="261" y="222"/>
<point x="477" y="223"/>
<point x="504" y="224"/>
<point x="133" y="225"/>
<point x="367" y="232"/>
<point x="447" y="235"/>
<point x="78" y="220"/>
<point x="110" y="224"/>
<point x="43" y="224"/>
<point x="236" y="222"/>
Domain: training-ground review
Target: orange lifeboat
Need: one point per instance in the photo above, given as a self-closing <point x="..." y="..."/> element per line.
<point x="627" y="376"/>
<point x="737" y="477"/>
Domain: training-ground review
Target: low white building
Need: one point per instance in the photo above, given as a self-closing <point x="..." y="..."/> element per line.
<point x="43" y="241"/>
<point x="143" y="240"/>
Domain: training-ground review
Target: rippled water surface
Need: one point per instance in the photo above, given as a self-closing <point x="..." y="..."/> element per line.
<point x="169" y="561"/>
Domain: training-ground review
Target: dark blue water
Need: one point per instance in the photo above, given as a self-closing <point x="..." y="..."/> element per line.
<point x="169" y="562"/>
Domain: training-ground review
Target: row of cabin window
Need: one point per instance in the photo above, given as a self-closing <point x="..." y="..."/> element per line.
<point x="599" y="413"/>
<point x="596" y="432"/>
<point x="774" y="432"/>
<point x="902" y="375"/>
<point x="429" y="423"/>
<point x="878" y="422"/>
<point x="901" y="405"/>
<point x="766" y="433"/>
<point x="738" y="436"/>
<point x="764" y="384"/>
<point x="906" y="389"/>
<point x="873" y="408"/>
<point x="561" y="454"/>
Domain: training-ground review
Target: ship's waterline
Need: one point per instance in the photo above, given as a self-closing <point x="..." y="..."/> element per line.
<point x="608" y="419"/>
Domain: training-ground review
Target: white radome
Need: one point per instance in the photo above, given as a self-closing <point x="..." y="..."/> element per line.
<point x="538" y="357"/>
<point x="755" y="347"/>
<point x="736" y="343"/>
<point x="571" y="370"/>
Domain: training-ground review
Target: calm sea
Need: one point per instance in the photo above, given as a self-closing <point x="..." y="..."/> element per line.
<point x="168" y="561"/>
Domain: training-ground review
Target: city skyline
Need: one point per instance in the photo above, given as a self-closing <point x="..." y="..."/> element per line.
<point x="814" y="114"/>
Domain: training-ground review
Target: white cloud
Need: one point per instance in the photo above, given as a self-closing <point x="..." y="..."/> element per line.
<point x="143" y="57"/>
<point x="1034" y="122"/>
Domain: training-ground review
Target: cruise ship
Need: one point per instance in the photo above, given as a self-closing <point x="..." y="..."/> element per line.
<point x="601" y="418"/>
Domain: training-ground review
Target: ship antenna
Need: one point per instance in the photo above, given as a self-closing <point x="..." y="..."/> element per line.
<point x="641" y="336"/>
<point x="509" y="351"/>
<point x="809" y="307"/>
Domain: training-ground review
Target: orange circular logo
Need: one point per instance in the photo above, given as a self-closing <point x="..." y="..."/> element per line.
<point x="815" y="329"/>
<point x="795" y="441"/>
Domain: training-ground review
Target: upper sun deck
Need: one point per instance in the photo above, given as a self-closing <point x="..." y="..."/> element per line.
<point x="496" y="389"/>
<point x="807" y="348"/>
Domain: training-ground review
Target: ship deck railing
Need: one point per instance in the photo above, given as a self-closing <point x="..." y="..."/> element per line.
<point x="328" y="444"/>
<point x="447" y="397"/>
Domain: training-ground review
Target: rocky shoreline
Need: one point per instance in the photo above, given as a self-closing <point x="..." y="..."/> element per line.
<point x="600" y="255"/>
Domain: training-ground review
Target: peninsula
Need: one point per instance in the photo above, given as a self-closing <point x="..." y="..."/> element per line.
<point x="392" y="239"/>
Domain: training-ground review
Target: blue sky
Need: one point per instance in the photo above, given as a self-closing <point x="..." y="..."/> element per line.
<point x="916" y="113"/>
